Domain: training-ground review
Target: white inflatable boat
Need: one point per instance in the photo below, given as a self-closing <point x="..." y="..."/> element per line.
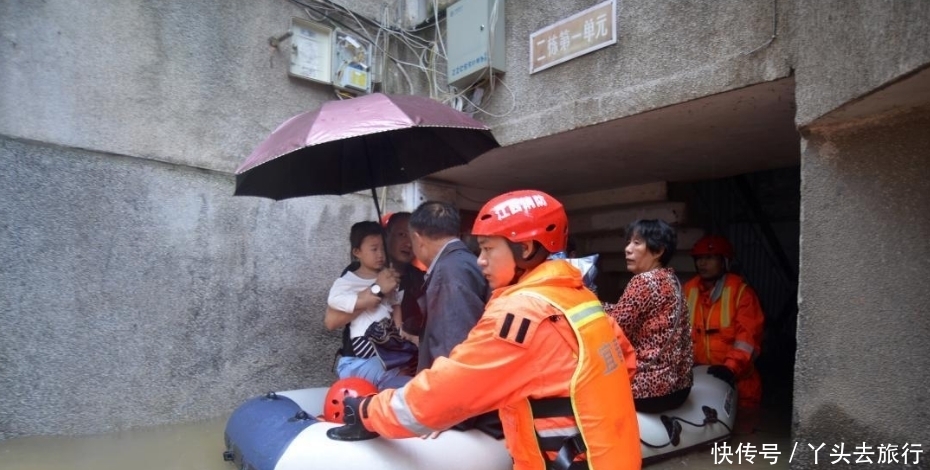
<point x="280" y="431"/>
<point x="706" y="416"/>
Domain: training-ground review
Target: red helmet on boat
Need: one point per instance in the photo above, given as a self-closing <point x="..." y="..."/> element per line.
<point x="337" y="393"/>
<point x="524" y="215"/>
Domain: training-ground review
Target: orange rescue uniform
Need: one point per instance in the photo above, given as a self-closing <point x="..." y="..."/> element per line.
<point x="726" y="328"/>
<point x="545" y="336"/>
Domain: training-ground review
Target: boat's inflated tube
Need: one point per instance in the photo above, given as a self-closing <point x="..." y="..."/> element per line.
<point x="261" y="430"/>
<point x="279" y="432"/>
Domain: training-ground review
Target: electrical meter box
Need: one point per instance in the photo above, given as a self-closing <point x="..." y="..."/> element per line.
<point x="311" y="51"/>
<point x="474" y="40"/>
<point x="351" y="62"/>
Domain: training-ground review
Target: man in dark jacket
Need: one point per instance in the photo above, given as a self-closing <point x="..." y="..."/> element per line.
<point x="455" y="291"/>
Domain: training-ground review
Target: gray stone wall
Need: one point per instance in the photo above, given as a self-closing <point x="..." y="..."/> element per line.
<point x="193" y="83"/>
<point x="135" y="289"/>
<point x="137" y="292"/>
<point x="844" y="50"/>
<point x="863" y="360"/>
<point x="666" y="53"/>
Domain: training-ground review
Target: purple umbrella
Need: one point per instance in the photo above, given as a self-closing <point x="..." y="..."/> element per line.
<point x="361" y="143"/>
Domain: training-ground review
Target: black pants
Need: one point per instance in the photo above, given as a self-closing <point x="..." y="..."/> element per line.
<point x="661" y="403"/>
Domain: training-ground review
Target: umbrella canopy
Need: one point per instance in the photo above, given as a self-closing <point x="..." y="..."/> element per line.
<point x="361" y="143"/>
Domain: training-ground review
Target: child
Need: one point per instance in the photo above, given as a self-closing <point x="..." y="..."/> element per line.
<point x="364" y="296"/>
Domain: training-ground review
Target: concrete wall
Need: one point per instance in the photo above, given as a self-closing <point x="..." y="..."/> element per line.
<point x="667" y="53"/>
<point x="861" y="364"/>
<point x="192" y="83"/>
<point x="135" y="289"/>
<point x="863" y="359"/>
<point x="137" y="292"/>
<point x="672" y="52"/>
<point x="844" y="50"/>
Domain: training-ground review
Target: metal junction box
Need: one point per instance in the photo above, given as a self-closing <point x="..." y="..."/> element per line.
<point x="474" y="40"/>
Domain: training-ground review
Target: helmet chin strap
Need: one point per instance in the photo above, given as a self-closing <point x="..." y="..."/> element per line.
<point x="537" y="256"/>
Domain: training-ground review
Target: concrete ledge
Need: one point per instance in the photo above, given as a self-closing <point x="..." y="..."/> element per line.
<point x="651" y="192"/>
<point x="617" y="219"/>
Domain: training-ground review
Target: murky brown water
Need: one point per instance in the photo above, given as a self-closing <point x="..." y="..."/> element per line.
<point x="199" y="446"/>
<point x="194" y="446"/>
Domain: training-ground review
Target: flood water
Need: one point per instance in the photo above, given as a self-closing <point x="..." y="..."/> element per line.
<point x="193" y="446"/>
<point x="199" y="446"/>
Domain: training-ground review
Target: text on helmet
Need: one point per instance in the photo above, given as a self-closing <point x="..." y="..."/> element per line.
<point x="518" y="204"/>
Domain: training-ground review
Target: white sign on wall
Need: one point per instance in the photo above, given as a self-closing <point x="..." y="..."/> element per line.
<point x="574" y="36"/>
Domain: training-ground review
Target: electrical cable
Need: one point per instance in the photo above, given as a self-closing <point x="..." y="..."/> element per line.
<point x="366" y="35"/>
<point x="405" y="39"/>
<point x="428" y="53"/>
<point x="487" y="98"/>
<point x="438" y="32"/>
<point x="318" y="20"/>
<point x="404" y="72"/>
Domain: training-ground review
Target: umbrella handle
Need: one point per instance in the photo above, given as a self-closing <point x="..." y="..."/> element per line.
<point x="374" y="196"/>
<point x="387" y="256"/>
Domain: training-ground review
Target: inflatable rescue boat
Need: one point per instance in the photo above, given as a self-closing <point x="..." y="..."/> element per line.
<point x="281" y="431"/>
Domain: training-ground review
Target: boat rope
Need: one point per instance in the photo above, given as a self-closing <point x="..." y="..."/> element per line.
<point x="674" y="429"/>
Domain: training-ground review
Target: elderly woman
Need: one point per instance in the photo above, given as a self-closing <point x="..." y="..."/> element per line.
<point x="654" y="316"/>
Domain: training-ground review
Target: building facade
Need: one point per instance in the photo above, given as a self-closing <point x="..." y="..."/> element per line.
<point x="130" y="271"/>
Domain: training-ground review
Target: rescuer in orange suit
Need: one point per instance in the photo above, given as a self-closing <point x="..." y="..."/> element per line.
<point x="726" y="320"/>
<point x="544" y="354"/>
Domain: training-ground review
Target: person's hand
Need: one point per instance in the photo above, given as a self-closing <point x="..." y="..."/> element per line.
<point x="409" y="337"/>
<point x="353" y="429"/>
<point x="723" y="373"/>
<point x="388" y="279"/>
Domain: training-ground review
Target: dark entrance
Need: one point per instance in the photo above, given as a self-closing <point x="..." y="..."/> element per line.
<point x="760" y="214"/>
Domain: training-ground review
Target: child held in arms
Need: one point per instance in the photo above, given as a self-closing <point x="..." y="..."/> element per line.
<point x="363" y="297"/>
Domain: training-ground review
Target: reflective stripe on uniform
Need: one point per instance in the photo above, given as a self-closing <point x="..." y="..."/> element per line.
<point x="585" y="313"/>
<point x="580" y="315"/>
<point x="725" y="308"/>
<point x="404" y="415"/>
<point x="744" y="346"/>
<point x="568" y="431"/>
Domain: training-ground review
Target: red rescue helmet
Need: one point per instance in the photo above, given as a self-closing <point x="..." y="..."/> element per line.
<point x="713" y="245"/>
<point x="337" y="393"/>
<point x="524" y="215"/>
